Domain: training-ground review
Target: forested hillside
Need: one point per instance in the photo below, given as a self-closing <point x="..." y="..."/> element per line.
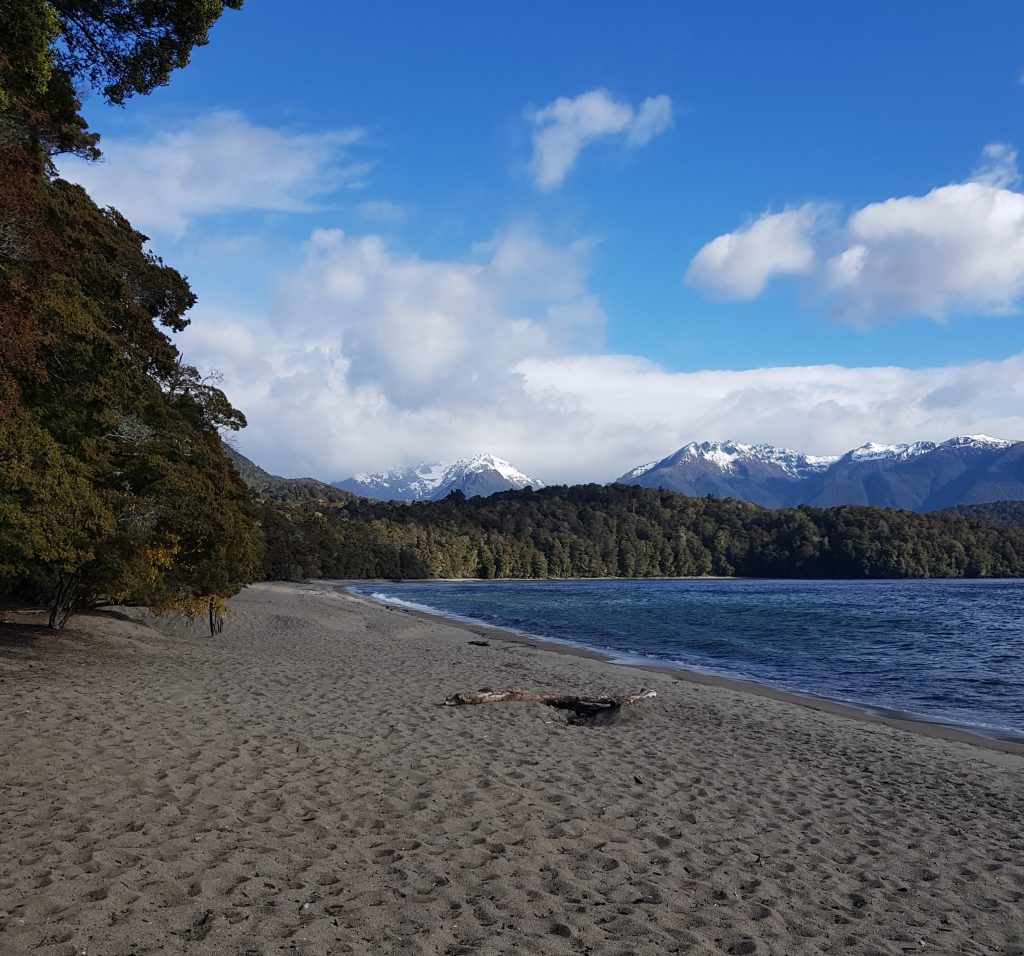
<point x="114" y="487"/>
<point x="594" y="530"/>
<point x="1008" y="513"/>
<point x="275" y="488"/>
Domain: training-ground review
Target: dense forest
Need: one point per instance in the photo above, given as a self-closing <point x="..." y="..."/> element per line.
<point x="624" y="531"/>
<point x="1007" y="513"/>
<point x="114" y="487"/>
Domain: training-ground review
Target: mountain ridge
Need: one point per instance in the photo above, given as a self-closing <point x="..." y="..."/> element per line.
<point x="918" y="476"/>
<point x="477" y="475"/>
<point x="273" y="487"/>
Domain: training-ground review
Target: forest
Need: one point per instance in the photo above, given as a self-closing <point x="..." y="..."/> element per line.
<point x="115" y="487"/>
<point x="1008" y="513"/>
<point x="624" y="531"/>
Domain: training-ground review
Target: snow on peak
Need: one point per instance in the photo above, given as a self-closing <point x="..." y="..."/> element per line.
<point x="429" y="471"/>
<point x="725" y="454"/>
<point x="437" y="479"/>
<point x="640" y="470"/>
<point x="485" y="462"/>
<point x="976" y="441"/>
<point x="794" y="462"/>
<point x="873" y="451"/>
<point x="721" y="453"/>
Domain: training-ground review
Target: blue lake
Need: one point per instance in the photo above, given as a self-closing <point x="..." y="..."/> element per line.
<point x="947" y="651"/>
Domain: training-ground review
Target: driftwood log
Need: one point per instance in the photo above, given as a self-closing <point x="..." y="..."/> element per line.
<point x="594" y="710"/>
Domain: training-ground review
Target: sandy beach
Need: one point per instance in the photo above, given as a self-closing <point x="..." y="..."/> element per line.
<point x="295" y="785"/>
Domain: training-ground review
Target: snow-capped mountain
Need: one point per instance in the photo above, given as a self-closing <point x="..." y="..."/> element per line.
<point x="728" y="469"/>
<point x="872" y="451"/>
<point x="478" y="475"/>
<point x="920" y="476"/>
<point x="733" y="457"/>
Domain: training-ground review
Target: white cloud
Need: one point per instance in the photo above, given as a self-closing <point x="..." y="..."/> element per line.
<point x="739" y="264"/>
<point x="371" y="358"/>
<point x="216" y="163"/>
<point x="959" y="248"/>
<point x="564" y="127"/>
<point x="822" y="409"/>
<point x="653" y="117"/>
<point x="998" y="166"/>
<point x="419" y="330"/>
<point x="380" y="210"/>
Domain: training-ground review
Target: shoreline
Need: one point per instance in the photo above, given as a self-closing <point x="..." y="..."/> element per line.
<point x="296" y="784"/>
<point x="1009" y="744"/>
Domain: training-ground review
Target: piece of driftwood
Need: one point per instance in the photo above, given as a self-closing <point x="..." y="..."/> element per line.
<point x="594" y="710"/>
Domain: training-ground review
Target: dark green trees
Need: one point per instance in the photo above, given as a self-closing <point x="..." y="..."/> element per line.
<point x="118" y="47"/>
<point x="124" y="47"/>
<point x="114" y="486"/>
<point x="627" y="531"/>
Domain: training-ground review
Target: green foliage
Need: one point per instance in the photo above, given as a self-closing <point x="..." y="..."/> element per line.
<point x="29" y="27"/>
<point x="140" y="427"/>
<point x="50" y="514"/>
<point x="120" y="47"/>
<point x="273" y="488"/>
<point x="124" y="47"/>
<point x="1008" y="513"/>
<point x="114" y="486"/>
<point x="200" y="503"/>
<point x="50" y="50"/>
<point x="625" y="531"/>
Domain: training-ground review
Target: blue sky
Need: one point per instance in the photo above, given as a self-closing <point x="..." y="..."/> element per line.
<point x="578" y="235"/>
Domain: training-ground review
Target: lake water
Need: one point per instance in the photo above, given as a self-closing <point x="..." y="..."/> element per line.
<point x="946" y="651"/>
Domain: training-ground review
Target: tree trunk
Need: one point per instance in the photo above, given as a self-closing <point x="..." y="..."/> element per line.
<point x="66" y="600"/>
<point x="592" y="710"/>
<point x="216" y="618"/>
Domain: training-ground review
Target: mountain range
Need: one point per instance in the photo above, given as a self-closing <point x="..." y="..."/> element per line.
<point x="478" y="475"/>
<point x="923" y="476"/>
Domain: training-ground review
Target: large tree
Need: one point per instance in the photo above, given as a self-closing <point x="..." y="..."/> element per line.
<point x="119" y="47"/>
<point x="114" y="486"/>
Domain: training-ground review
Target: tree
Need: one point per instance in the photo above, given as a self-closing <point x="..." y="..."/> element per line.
<point x="124" y="47"/>
<point x="115" y="486"/>
<point x="627" y="531"/>
<point x="118" y="47"/>
<point x="141" y="426"/>
<point x="51" y="517"/>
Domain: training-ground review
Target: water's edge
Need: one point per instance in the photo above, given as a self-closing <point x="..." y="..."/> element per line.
<point x="1003" y="742"/>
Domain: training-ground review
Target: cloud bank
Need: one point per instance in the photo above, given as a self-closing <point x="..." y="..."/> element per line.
<point x="216" y="163"/>
<point x="564" y="127"/>
<point x="370" y="357"/>
<point x="958" y="248"/>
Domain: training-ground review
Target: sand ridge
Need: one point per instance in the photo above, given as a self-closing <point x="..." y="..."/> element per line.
<point x="295" y="786"/>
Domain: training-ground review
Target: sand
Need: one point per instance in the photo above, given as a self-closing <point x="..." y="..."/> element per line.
<point x="295" y="786"/>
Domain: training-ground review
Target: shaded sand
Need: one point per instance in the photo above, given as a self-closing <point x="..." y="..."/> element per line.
<point x="293" y="786"/>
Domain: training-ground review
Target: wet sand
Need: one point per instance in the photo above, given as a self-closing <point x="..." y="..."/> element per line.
<point x="295" y="786"/>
